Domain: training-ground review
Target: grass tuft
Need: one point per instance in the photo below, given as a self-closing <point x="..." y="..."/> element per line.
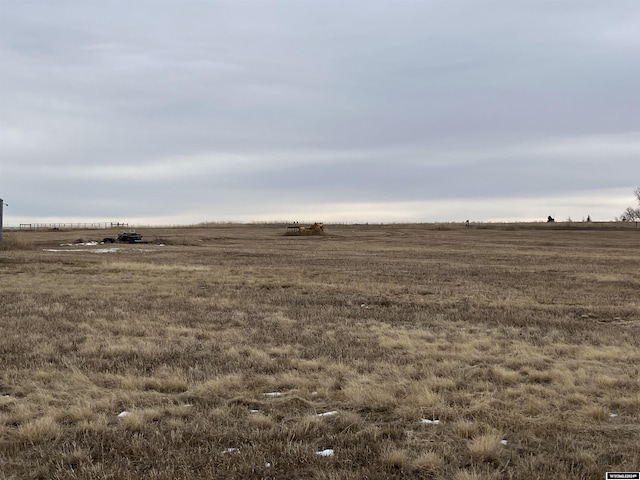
<point x="428" y="462"/>
<point x="596" y="412"/>
<point x="485" y="447"/>
<point x="395" y="458"/>
<point x="474" y="475"/>
<point x="41" y="430"/>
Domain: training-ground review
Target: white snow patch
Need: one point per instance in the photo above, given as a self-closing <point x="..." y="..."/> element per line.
<point x="328" y="414"/>
<point x="273" y="394"/>
<point x="327" y="452"/>
<point x="79" y="244"/>
<point x="426" y="421"/>
<point x="254" y="411"/>
<point x="230" y="450"/>
<point x="93" y="250"/>
<point x="613" y="415"/>
<point x="98" y="250"/>
<point x="123" y="414"/>
<point x="503" y="442"/>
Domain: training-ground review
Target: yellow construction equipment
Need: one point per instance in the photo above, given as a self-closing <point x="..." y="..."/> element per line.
<point x="315" y="229"/>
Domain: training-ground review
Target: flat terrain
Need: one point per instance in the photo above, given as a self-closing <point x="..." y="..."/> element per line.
<point x="404" y="351"/>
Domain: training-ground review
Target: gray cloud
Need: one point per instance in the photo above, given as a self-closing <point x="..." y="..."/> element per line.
<point x="113" y="108"/>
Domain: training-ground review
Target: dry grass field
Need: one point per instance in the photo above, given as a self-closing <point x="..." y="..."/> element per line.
<point x="372" y="352"/>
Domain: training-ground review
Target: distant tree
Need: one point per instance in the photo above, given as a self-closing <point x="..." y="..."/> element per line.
<point x="632" y="214"/>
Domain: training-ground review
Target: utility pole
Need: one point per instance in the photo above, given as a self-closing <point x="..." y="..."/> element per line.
<point x="2" y="204"/>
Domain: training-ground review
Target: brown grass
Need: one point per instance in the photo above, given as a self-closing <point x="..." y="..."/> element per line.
<point x="227" y="344"/>
<point x="15" y="241"/>
<point x="486" y="447"/>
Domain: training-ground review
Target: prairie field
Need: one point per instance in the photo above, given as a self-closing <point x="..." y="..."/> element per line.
<point x="370" y="352"/>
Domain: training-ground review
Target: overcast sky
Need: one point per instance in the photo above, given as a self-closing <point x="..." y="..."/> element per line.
<point x="180" y="112"/>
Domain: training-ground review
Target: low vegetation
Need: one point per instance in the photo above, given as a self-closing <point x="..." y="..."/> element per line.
<point x="15" y="241"/>
<point x="372" y="352"/>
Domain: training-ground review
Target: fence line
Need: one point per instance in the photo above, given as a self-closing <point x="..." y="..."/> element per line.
<point x="71" y="226"/>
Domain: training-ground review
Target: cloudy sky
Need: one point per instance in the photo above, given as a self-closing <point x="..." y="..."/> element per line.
<point x="180" y="112"/>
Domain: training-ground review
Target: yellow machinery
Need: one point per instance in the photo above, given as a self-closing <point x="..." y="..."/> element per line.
<point x="315" y="229"/>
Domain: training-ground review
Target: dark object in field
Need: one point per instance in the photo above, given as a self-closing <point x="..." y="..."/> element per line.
<point x="315" y="229"/>
<point x="550" y="219"/>
<point x="129" y="237"/>
<point x="108" y="240"/>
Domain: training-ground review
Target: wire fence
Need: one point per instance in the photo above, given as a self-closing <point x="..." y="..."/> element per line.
<point x="71" y="226"/>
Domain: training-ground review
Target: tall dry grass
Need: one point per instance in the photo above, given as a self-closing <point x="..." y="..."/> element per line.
<point x="12" y="241"/>
<point x="236" y="352"/>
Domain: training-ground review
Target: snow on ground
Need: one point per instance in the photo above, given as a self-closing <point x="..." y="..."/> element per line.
<point x="426" y="421"/>
<point x="100" y="250"/>
<point x="79" y="244"/>
<point x="94" y="250"/>
<point x="328" y="414"/>
<point x="327" y="452"/>
<point x="273" y="394"/>
<point x="73" y="247"/>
